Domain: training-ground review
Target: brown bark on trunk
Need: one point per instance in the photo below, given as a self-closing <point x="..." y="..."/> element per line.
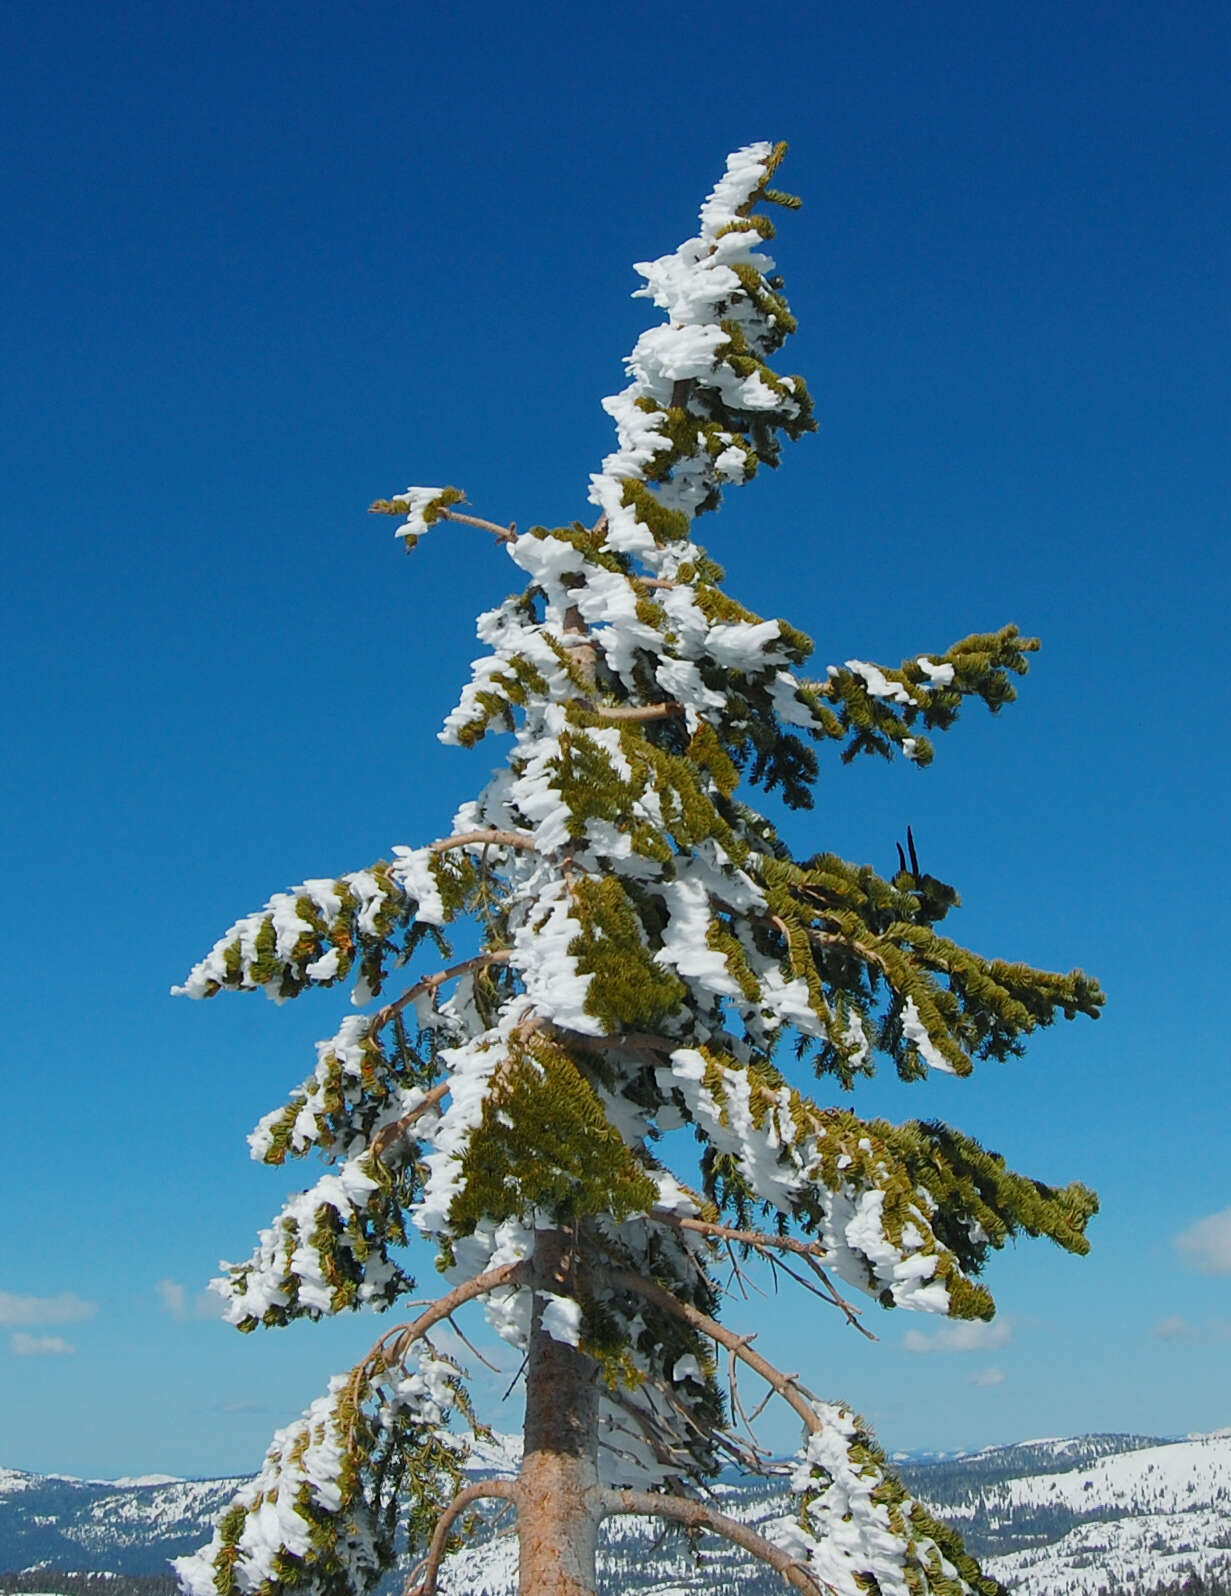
<point x="558" y="1499"/>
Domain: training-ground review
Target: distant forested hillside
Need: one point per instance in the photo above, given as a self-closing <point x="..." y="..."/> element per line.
<point x="50" y="1582"/>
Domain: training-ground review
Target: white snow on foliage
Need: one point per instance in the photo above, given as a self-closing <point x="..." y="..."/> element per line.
<point x="876" y="682"/>
<point x="915" y="1032"/>
<point x="851" y="1534"/>
<point x="698" y="287"/>
<point x="938" y="675"/>
<point x="416" y="500"/>
<point x="302" y="1470"/>
<point x="302" y="1478"/>
<point x="778" y="1163"/>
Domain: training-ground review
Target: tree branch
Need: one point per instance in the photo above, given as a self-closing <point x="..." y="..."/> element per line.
<point x="786" y="1385"/>
<point x="643" y="1039"/>
<point x="403" y="1336"/>
<point x="505" y="839"/>
<point x="760" y="1241"/>
<point x="430" y="983"/>
<point x="636" y="712"/>
<point x="750" y="1238"/>
<point x="507" y="1489"/>
<point x="826" y="938"/>
<point x="699" y="1515"/>
<point x="390" y="1133"/>
<point x="507" y="534"/>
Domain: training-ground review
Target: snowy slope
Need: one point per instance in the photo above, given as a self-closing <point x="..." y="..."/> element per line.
<point x="1162" y="1511"/>
<point x="122" y="1527"/>
<point x="1060" y="1517"/>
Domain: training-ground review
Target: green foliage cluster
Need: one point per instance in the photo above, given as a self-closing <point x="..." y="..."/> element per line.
<point x="545" y="1143"/>
<point x="397" y="1474"/>
<point x="927" y="1543"/>
<point x="373" y="930"/>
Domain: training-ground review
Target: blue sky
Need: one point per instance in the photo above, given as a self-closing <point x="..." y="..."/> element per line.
<point x="263" y="265"/>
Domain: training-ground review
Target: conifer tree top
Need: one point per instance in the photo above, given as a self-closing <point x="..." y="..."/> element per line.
<point x="651" y="956"/>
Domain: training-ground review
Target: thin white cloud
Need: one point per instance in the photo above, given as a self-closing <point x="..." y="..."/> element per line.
<point x="961" y="1335"/>
<point x="1206" y="1244"/>
<point x="175" y="1301"/>
<point x="26" y="1346"/>
<point x="1175" y="1327"/>
<point x="992" y="1376"/>
<point x="173" y="1297"/>
<point x="64" y="1309"/>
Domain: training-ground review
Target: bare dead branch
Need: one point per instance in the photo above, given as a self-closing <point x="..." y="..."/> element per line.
<point x="787" y="1387"/>
<point x="737" y="1274"/>
<point x="839" y="1301"/>
<point x="462" y="1336"/>
<point x="828" y="1294"/>
<point x="761" y="1241"/>
<point x="699" y="1515"/>
<point x="507" y="1489"/>
<point x="649" y="1425"/>
<point x="521" y="1369"/>
<point x="736" y="1402"/>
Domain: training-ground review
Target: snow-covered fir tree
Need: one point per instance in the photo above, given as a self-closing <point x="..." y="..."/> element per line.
<point x="652" y="956"/>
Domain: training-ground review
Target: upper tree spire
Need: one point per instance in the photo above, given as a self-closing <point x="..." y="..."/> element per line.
<point x="647" y="944"/>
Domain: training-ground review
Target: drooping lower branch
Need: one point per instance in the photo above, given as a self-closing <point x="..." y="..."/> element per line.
<point x="699" y="1515"/>
<point x="430" y="1567"/>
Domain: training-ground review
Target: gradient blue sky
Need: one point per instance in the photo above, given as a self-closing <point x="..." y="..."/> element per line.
<point x="263" y="265"/>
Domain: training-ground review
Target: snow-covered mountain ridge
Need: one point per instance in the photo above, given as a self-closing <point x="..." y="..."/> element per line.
<point x="1069" y="1516"/>
<point x="56" y="1521"/>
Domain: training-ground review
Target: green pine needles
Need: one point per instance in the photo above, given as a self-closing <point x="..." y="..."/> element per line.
<point x="651" y="956"/>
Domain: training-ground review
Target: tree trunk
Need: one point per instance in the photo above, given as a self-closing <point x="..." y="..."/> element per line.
<point x="558" y="1507"/>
